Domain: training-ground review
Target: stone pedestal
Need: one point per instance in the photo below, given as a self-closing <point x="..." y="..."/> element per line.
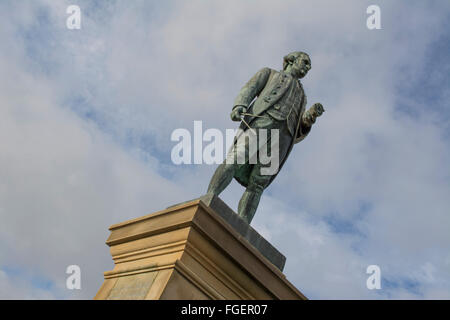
<point x="198" y="249"/>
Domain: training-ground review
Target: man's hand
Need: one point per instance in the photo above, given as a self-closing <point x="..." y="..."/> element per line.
<point x="236" y="113"/>
<point x="317" y="109"/>
<point x="309" y="116"/>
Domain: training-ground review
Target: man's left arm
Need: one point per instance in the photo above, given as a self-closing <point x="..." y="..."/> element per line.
<point x="310" y="116"/>
<point x="308" y="119"/>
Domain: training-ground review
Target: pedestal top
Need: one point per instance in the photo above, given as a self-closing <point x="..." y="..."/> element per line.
<point x="243" y="228"/>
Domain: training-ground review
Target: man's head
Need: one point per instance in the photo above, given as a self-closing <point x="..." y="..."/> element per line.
<point x="297" y="63"/>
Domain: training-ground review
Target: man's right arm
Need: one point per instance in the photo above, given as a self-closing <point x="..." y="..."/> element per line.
<point x="248" y="92"/>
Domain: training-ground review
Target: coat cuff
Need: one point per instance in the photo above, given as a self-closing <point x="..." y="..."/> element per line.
<point x="240" y="105"/>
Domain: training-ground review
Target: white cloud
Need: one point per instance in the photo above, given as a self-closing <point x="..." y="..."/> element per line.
<point x="17" y="288"/>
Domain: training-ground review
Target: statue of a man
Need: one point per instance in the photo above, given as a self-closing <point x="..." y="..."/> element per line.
<point x="280" y="104"/>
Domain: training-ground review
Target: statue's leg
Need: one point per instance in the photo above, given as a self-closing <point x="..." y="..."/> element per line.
<point x="250" y="199"/>
<point x="258" y="181"/>
<point x="221" y="178"/>
<point x="225" y="172"/>
<point x="249" y="202"/>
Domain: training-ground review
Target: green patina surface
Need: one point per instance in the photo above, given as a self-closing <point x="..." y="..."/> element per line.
<point x="269" y="100"/>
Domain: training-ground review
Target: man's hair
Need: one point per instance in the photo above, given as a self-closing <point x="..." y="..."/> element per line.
<point x="290" y="58"/>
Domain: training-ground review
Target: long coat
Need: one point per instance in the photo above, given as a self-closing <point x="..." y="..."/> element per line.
<point x="280" y="95"/>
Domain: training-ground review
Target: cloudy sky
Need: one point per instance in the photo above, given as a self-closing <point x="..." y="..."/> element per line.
<point x="86" y="117"/>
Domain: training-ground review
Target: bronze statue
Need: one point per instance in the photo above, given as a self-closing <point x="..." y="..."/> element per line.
<point x="280" y="104"/>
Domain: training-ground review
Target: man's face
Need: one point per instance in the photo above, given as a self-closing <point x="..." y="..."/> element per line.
<point x="301" y="66"/>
